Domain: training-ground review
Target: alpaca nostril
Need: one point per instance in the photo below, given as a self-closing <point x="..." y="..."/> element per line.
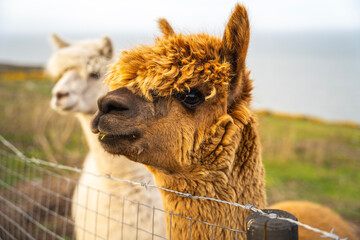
<point x="112" y="105"/>
<point x="115" y="107"/>
<point x="120" y="101"/>
<point x="60" y="95"/>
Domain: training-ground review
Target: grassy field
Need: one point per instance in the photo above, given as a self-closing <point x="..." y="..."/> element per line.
<point x="304" y="159"/>
<point x="312" y="161"/>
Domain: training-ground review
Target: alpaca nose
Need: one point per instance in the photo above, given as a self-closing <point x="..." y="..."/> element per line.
<point x="60" y="95"/>
<point x="120" y="103"/>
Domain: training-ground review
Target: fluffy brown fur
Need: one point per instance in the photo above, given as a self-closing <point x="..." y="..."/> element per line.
<point x="171" y="66"/>
<point x="211" y="149"/>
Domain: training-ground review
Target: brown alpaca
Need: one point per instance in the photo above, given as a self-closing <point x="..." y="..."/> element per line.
<point x="182" y="108"/>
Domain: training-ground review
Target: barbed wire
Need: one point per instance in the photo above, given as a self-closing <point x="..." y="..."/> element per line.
<point x="250" y="207"/>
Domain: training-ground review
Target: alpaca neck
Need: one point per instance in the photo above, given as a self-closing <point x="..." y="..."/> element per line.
<point x="243" y="183"/>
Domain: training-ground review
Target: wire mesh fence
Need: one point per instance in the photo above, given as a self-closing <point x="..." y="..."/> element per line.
<point x="39" y="200"/>
<point x="35" y="203"/>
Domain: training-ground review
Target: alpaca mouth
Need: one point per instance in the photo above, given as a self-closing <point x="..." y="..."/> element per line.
<point x="68" y="108"/>
<point x="111" y="138"/>
<point x="64" y="110"/>
<point x="58" y="106"/>
<point x="118" y="143"/>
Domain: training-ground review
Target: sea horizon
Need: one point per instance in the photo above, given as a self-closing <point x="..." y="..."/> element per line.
<point x="302" y="73"/>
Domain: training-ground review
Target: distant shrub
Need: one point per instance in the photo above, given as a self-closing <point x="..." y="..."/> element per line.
<point x="34" y="75"/>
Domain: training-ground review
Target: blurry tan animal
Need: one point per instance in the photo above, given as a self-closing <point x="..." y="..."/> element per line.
<point x="182" y="108"/>
<point x="318" y="216"/>
<point x="80" y="68"/>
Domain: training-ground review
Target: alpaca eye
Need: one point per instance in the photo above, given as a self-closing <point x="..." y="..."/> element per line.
<point x="95" y="75"/>
<point x="190" y="99"/>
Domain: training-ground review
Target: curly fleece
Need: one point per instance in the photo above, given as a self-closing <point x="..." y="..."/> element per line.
<point x="229" y="165"/>
<point x="225" y="156"/>
<point x="174" y="64"/>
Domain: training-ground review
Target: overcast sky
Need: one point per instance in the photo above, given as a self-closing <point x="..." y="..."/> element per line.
<point x="288" y="64"/>
<point x="107" y="16"/>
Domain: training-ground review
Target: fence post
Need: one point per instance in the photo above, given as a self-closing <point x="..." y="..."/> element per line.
<point x="260" y="227"/>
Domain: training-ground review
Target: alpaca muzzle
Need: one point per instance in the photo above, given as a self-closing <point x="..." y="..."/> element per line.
<point x="117" y="113"/>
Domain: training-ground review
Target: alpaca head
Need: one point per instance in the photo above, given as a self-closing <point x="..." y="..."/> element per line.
<point x="178" y="105"/>
<point x="80" y="69"/>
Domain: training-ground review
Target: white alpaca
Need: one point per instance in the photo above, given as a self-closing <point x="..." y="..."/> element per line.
<point x="80" y="68"/>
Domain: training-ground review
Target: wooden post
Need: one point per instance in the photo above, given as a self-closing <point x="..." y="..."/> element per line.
<point x="260" y="227"/>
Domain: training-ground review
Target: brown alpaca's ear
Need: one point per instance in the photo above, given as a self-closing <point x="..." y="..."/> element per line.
<point x="106" y="47"/>
<point x="236" y="39"/>
<point x="57" y="42"/>
<point x="165" y="27"/>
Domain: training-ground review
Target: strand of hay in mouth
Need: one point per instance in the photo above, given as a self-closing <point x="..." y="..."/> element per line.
<point x="104" y="135"/>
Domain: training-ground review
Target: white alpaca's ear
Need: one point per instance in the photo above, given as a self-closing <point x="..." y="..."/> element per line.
<point x="57" y="42"/>
<point x="106" y="47"/>
<point x="165" y="27"/>
<point x="236" y="39"/>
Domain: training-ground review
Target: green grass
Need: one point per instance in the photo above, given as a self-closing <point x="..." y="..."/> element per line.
<point x="27" y="121"/>
<point x="304" y="159"/>
<point x="312" y="161"/>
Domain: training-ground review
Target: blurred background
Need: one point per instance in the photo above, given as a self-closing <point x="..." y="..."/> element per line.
<point x="304" y="55"/>
<point x="305" y="62"/>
